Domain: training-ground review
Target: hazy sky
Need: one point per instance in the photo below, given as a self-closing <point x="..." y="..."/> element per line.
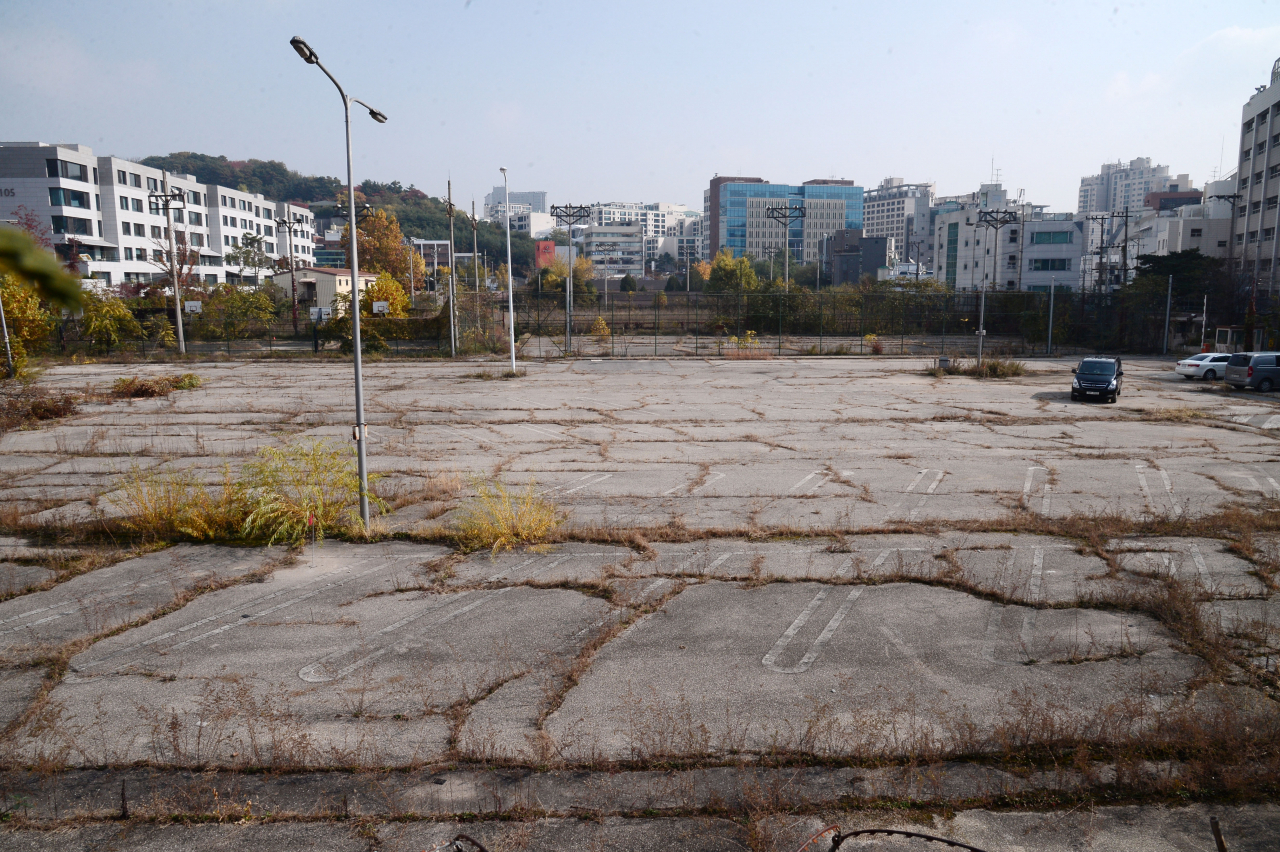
<point x="600" y="100"/>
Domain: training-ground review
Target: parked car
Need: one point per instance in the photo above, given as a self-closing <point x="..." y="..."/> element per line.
<point x="1255" y="370"/>
<point x="1101" y="378"/>
<point x="1209" y="366"/>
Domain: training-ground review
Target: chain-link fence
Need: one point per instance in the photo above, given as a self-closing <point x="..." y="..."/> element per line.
<point x="732" y="324"/>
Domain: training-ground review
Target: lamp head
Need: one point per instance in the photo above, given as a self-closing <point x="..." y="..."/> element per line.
<point x="304" y="50"/>
<point x="502" y="169"/>
<point x="377" y="116"/>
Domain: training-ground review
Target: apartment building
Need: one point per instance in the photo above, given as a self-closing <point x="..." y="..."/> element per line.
<point x="535" y="201"/>
<point x="102" y="211"/>
<point x="615" y="249"/>
<point x="900" y="211"/>
<point x="1119" y="186"/>
<point x="1258" y="186"/>
<point x="1037" y="250"/>
<point x="737" y="218"/>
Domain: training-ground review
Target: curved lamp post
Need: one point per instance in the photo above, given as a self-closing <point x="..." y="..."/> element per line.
<point x="309" y="56"/>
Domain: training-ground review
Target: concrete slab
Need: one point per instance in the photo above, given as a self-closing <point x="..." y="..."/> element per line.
<point x="847" y="670"/>
<point x="101" y="600"/>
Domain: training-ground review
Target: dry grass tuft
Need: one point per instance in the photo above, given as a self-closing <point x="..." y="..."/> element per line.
<point x="174" y="504"/>
<point x="1179" y="414"/>
<point x="991" y="368"/>
<point x="498" y="519"/>
<point x="24" y="403"/>
<point x="133" y="387"/>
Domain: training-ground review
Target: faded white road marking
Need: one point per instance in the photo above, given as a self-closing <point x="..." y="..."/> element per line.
<point x="821" y="482"/>
<point x="714" y="477"/>
<point x="1146" y="492"/>
<point x="547" y="433"/>
<point x="1037" y="570"/>
<point x="314" y="672"/>
<point x="910" y="489"/>
<point x="593" y="477"/>
<point x="928" y="673"/>
<point x="1252" y="481"/>
<point x="771" y="658"/>
<point x="596" y="481"/>
<point x="1044" y="504"/>
<point x="932" y="487"/>
<point x="1199" y="559"/>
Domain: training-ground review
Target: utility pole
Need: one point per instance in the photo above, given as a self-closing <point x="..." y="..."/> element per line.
<point x="1232" y="197"/>
<point x="993" y="220"/>
<point x="1053" y="285"/>
<point x="1168" y="306"/>
<point x="568" y="215"/>
<point x="786" y="214"/>
<point x="172" y="199"/>
<point x="453" y="333"/>
<point x="286" y="224"/>
<point x="475" y="262"/>
<point x="413" y="293"/>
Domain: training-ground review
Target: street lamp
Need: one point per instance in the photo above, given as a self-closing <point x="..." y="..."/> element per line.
<point x="511" y="299"/>
<point x="309" y="56"/>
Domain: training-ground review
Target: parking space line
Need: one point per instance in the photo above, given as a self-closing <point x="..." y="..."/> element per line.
<point x="1252" y="481"/>
<point x="806" y="479"/>
<point x="596" y="481"/>
<point x="594" y="477"/>
<point x="1037" y="570"/>
<point x="547" y="433"/>
<point x="932" y="487"/>
<point x="314" y="672"/>
<point x="1168" y="487"/>
<point x="1044" y="504"/>
<point x="1146" y="492"/>
<point x="910" y="488"/>
<point x="1201" y="568"/>
<point x="718" y="477"/>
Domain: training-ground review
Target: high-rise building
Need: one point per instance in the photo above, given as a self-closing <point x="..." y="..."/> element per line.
<point x="1119" y="186"/>
<point x="615" y="249"/>
<point x="100" y="209"/>
<point x="737" y="213"/>
<point x="537" y="201"/>
<point x="1258" y="186"/>
<point x="900" y="211"/>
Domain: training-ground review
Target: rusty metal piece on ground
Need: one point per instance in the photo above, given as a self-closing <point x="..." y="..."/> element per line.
<point x="1217" y="834"/>
<point x="837" y="839"/>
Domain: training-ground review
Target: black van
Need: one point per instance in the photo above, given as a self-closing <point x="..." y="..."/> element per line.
<point x="1098" y="378"/>
<point x="1253" y="370"/>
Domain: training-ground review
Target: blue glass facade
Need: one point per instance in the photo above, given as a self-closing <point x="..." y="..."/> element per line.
<point x="733" y="198"/>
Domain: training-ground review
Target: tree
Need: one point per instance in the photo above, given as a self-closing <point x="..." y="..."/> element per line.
<point x="731" y="276"/>
<point x="385" y="289"/>
<point x="231" y="312"/>
<point x="628" y="284"/>
<point x="107" y="322"/>
<point x="559" y="236"/>
<point x="180" y="265"/>
<point x="249" y="255"/>
<point x="666" y="263"/>
<point x="382" y="249"/>
<point x="674" y="283"/>
<point x="24" y="256"/>
<point x="29" y="324"/>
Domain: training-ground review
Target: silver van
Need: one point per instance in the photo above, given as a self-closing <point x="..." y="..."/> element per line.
<point x="1255" y="370"/>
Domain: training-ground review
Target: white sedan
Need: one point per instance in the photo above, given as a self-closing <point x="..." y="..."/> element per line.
<point x="1209" y="366"/>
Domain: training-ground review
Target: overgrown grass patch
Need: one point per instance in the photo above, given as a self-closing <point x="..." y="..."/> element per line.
<point x="307" y="490"/>
<point x="990" y="368"/>
<point x="25" y="403"/>
<point x="499" y="518"/>
<point x="136" y="387"/>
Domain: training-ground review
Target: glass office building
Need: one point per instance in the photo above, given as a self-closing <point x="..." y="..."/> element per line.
<point x="737" y="209"/>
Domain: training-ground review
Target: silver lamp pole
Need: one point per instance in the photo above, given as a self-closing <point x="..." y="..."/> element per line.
<point x="511" y="302"/>
<point x="309" y="56"/>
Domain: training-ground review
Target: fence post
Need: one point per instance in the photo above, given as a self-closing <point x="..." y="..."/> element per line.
<point x="695" y="327"/>
<point x="656" y="308"/>
<point x="779" y="325"/>
<point x="819" y="323"/>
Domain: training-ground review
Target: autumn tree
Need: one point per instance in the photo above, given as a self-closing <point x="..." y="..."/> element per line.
<point x="731" y="276"/>
<point x="382" y="249"/>
<point x="28" y="323"/>
<point x="250" y="254"/>
<point x="385" y="289"/>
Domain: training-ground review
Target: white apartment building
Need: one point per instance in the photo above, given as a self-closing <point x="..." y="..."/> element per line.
<point x="101" y="208"/>
<point x="536" y="225"/>
<point x="1254" y="252"/>
<point x="657" y="221"/>
<point x="901" y="211"/>
<point x="615" y="249"/>
<point x="1118" y="186"/>
<point x="1036" y="251"/>
<point x="535" y="201"/>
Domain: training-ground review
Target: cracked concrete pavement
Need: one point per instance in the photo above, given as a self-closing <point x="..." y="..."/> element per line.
<point x="913" y="614"/>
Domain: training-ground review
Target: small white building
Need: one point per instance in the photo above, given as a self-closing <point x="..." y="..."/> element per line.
<point x="318" y="285"/>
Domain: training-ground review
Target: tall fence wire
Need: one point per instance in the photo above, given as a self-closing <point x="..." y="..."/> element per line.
<point x="673" y="324"/>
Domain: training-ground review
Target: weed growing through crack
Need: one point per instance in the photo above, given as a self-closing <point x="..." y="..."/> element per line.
<point x="134" y="387"/>
<point x="175" y="503"/>
<point x="991" y="368"/>
<point x="498" y="518"/>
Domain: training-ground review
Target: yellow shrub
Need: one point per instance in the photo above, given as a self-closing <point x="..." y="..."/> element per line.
<point x="499" y="519"/>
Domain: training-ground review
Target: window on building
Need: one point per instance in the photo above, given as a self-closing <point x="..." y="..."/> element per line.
<point x="244" y="206"/>
<point x="137" y="204"/>
<point x="126" y="228"/>
<point x="1275" y="171"/>
<point x="226" y="241"/>
<point x="1246" y="154"/>
<point x="1053" y="237"/>
<point x="122" y="178"/>
<point x="1244" y="181"/>
<point x="1050" y="264"/>
<point x="1196" y="232"/>
<point x="139" y="230"/>
<point x="1253" y="236"/>
<point x="128" y="253"/>
<point x="193" y="197"/>
<point x="1268" y="234"/>
<point x="1222" y="243"/>
<point x="155" y="232"/>
<point x="140" y="254"/>
<point x="195" y="218"/>
<point x="71" y="225"/>
<point x="154" y="206"/>
<point x="153" y="185"/>
<point x="1271" y="202"/>
<point x="197" y="240"/>
<point x="70" y="171"/>
<point x="1255" y="207"/>
<point x="135" y="180"/>
<point x="124" y="203"/>
<point x="266" y="230"/>
<point x="1257" y="178"/>
<point x="236" y="242"/>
